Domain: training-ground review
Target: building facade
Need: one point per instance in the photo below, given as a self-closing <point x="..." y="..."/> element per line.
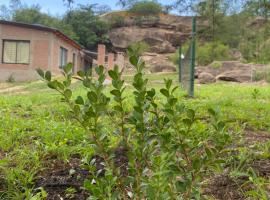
<point x="26" y="47"/>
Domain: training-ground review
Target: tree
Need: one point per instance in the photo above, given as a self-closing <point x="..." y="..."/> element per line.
<point x="33" y="15"/>
<point x="126" y="4"/>
<point x="146" y="8"/>
<point x="88" y="27"/>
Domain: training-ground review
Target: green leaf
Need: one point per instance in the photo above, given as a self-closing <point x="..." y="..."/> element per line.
<point x="116" y="93"/>
<point x="165" y="92"/>
<point x="172" y="101"/>
<point x="100" y="70"/>
<point x="168" y="84"/>
<point x="92" y="96"/>
<point x="87" y="82"/>
<point x="60" y="85"/>
<point x="113" y="75"/>
<point x="40" y="73"/>
<point x="212" y="111"/>
<point x="67" y="68"/>
<point x="68" y="93"/>
<point x="48" y="76"/>
<point x="52" y="84"/>
<point x="81" y="74"/>
<point x="151" y="93"/>
<point x="79" y="100"/>
<point x="134" y="60"/>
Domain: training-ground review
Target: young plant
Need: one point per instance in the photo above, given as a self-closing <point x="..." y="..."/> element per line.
<point x="163" y="150"/>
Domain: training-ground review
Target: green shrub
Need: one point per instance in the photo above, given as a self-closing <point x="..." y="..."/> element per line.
<point x="146" y="8"/>
<point x="168" y="149"/>
<point x="139" y="47"/>
<point x="210" y="52"/>
<point x="264" y="74"/>
<point x="216" y="64"/>
<point x="117" y="21"/>
<point x="151" y="19"/>
<point x="205" y="53"/>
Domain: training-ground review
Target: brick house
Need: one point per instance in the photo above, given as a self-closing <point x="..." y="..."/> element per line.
<point x="26" y="47"/>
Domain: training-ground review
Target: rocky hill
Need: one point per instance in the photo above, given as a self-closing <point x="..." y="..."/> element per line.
<point x="163" y="33"/>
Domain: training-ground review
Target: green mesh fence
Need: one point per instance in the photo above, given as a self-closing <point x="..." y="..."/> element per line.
<point x="185" y="70"/>
<point x="187" y="64"/>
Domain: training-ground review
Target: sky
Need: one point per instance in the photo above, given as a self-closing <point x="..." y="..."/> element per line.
<point x="57" y="7"/>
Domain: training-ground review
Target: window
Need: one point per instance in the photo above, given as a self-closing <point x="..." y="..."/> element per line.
<point x="16" y="52"/>
<point x="74" y="63"/>
<point x="63" y="57"/>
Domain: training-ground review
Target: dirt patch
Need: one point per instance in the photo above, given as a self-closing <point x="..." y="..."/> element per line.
<point x="223" y="187"/>
<point x="60" y="178"/>
<point x="262" y="167"/>
<point x="2" y="154"/>
<point x="14" y="89"/>
<point x="252" y="137"/>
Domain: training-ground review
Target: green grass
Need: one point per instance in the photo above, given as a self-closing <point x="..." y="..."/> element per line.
<point x="35" y="127"/>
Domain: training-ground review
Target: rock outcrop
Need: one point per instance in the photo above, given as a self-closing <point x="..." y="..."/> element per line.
<point x="163" y="32"/>
<point x="233" y="71"/>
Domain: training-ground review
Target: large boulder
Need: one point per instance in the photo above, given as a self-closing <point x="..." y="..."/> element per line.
<point x="158" y="63"/>
<point x="205" y="77"/>
<point x="233" y="71"/>
<point x="240" y="75"/>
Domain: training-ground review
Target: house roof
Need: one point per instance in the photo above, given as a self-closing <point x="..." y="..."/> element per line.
<point x="44" y="28"/>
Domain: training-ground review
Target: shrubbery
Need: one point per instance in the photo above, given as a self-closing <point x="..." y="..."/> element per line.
<point x="139" y="47"/>
<point x="166" y="150"/>
<point x="205" y="53"/>
<point x="117" y="21"/>
<point x="146" y="8"/>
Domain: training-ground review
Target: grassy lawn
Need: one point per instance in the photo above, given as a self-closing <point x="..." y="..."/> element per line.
<point x="38" y="138"/>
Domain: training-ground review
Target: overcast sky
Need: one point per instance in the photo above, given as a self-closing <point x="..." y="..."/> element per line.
<point x="56" y="7"/>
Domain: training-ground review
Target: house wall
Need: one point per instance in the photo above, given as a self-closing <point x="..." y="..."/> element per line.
<point x="57" y="44"/>
<point x="44" y="53"/>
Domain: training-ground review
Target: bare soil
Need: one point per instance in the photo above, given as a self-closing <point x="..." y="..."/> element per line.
<point x="62" y="176"/>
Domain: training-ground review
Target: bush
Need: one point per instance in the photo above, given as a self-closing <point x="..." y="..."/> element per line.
<point x="263" y="74"/>
<point x="214" y="51"/>
<point x="205" y="53"/>
<point x="146" y="8"/>
<point x="139" y="47"/>
<point x="117" y="21"/>
<point x="166" y="150"/>
<point x="151" y="19"/>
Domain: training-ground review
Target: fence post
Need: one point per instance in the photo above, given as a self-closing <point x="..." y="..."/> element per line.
<point x="193" y="56"/>
<point x="180" y="65"/>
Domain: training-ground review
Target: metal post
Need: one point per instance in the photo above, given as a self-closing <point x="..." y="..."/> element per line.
<point x="193" y="55"/>
<point x="180" y="64"/>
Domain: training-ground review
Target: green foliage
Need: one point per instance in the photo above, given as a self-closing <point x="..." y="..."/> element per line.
<point x="138" y="48"/>
<point x="87" y="26"/>
<point x="117" y="21"/>
<point x="146" y="8"/>
<point x="167" y="154"/>
<point x="33" y="15"/>
<point x="261" y="74"/>
<point x="210" y="52"/>
<point x="206" y="53"/>
<point x="255" y="93"/>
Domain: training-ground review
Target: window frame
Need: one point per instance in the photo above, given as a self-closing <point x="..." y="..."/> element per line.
<point x="63" y="49"/>
<point x="16" y="41"/>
